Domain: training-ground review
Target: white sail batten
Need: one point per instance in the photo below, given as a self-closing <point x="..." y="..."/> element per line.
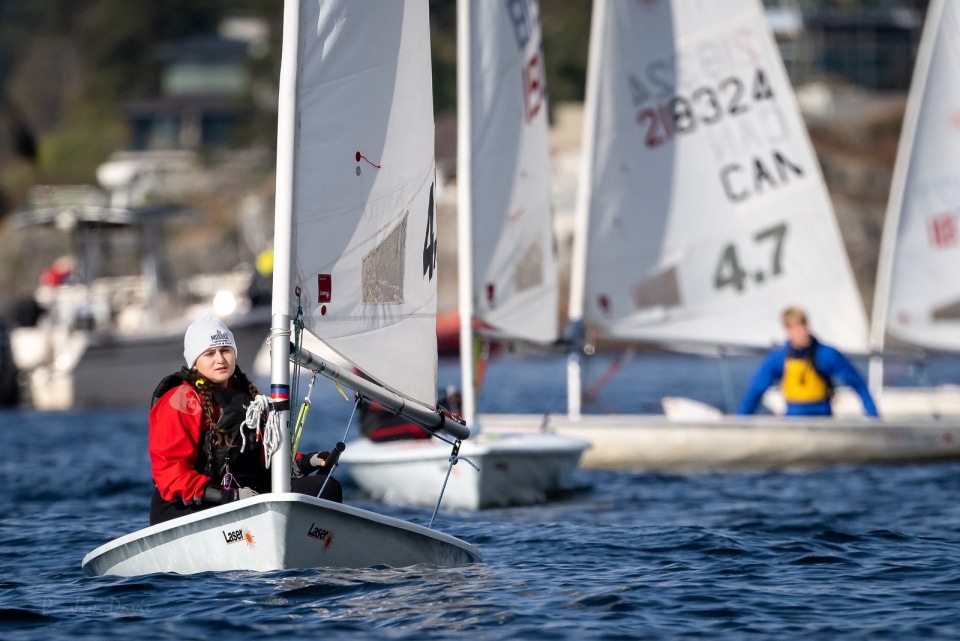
<point x="707" y="211"/>
<point x="918" y="294"/>
<point x="364" y="223"/>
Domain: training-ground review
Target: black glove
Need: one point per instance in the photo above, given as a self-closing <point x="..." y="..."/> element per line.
<point x="215" y="495"/>
<point x="310" y="462"/>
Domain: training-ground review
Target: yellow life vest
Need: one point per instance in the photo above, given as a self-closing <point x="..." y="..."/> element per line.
<point x="802" y="383"/>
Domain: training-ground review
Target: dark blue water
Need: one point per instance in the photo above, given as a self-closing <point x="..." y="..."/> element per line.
<point x="867" y="552"/>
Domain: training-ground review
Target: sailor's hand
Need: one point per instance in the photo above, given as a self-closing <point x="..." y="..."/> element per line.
<point x="216" y="495"/>
<point x="311" y="461"/>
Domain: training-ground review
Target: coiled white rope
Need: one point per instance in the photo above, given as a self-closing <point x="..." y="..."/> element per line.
<point x="271" y="436"/>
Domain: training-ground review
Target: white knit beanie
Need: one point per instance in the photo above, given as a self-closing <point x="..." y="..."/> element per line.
<point x="206" y="332"/>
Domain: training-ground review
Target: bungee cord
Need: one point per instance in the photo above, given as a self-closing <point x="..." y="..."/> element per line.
<point x="302" y="413"/>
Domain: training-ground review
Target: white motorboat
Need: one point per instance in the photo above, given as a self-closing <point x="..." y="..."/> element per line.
<point x="115" y="321"/>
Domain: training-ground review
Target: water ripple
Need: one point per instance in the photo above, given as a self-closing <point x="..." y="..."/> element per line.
<point x="867" y="552"/>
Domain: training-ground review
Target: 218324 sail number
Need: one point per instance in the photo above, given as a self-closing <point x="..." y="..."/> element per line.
<point x="705" y="106"/>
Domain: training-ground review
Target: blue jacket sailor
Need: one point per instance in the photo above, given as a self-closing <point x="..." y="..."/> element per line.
<point x="805" y="369"/>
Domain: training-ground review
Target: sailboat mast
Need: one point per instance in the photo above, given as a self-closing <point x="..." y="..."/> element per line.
<point x="282" y="243"/>
<point x="468" y="406"/>
<point x="581" y="228"/>
<point x="891" y="224"/>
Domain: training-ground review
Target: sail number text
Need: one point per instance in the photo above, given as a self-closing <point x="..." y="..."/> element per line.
<point x="430" y="241"/>
<point x="704" y="106"/>
<point x="730" y="271"/>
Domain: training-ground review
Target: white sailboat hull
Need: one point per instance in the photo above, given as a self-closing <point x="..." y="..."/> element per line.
<point x="654" y="442"/>
<point x="277" y="532"/>
<point x="892" y="402"/>
<point x="515" y="469"/>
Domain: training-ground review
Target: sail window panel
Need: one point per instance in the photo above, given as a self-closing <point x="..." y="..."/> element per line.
<point x="950" y="312"/>
<point x="382" y="269"/>
<point x="528" y="272"/>
<point x="663" y="290"/>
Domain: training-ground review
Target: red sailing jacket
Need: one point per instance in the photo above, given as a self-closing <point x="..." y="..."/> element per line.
<point x="175" y="427"/>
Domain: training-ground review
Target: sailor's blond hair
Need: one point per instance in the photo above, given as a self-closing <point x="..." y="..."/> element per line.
<point x="794" y="316"/>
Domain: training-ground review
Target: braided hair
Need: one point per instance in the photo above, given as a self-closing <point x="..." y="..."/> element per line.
<point x="204" y="389"/>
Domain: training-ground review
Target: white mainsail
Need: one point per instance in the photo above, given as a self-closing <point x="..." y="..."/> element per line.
<point x="506" y="249"/>
<point x="363" y="214"/>
<point x="702" y="212"/>
<point x="509" y="213"/>
<point x="918" y="293"/>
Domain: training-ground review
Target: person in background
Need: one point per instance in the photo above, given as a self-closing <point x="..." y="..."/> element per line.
<point x="201" y="452"/>
<point x="805" y="368"/>
<point x="380" y="425"/>
<point x="449" y="398"/>
<point x="59" y="272"/>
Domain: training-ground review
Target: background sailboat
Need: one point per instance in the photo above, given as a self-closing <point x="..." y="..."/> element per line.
<point x="507" y="266"/>
<point x="506" y="259"/>
<point x="702" y="212"/>
<point x="918" y="295"/>
<point x="355" y="180"/>
<point x="701" y="215"/>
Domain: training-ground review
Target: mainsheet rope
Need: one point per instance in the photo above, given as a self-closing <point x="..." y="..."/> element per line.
<point x="268" y="433"/>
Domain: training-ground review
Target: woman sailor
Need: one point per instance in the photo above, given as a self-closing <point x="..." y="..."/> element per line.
<point x="201" y="451"/>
